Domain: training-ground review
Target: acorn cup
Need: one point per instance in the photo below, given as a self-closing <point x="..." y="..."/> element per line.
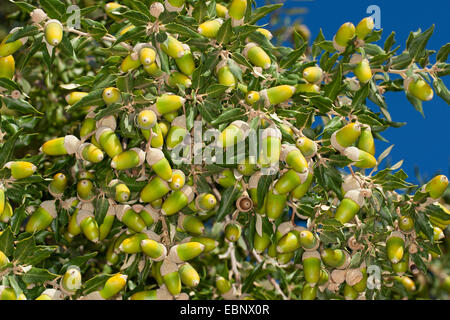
<point x="311" y="267"/>
<point x="130" y="63"/>
<point x="366" y="142"/>
<point x="234" y="133"/>
<point x="113" y="286"/>
<point x="129" y="159"/>
<point x="346" y="136"/>
<point x="53" y="32"/>
<point x="313" y="74"/>
<point x="436" y="186"/>
<point x="111" y="95"/>
<point x="395" y="246"/>
<point x="191" y="224"/>
<point x="154" y="190"/>
<point x="56" y="187"/>
<point x="362" y="159"/>
<point x="233" y="231"/>
<point x="343" y="36"/>
<point x="109" y="141"/>
<point x="171" y="277"/>
<point x="174" y="5"/>
<point x="108" y="220"/>
<point x="210" y="28"/>
<point x="335" y="258"/>
<point x="244" y="203"/>
<point x="61" y="146"/>
<point x="87" y="223"/>
<point x="349" y="206"/>
<point x="177" y="132"/>
<point x="189" y="276"/>
<point x="289" y="181"/>
<point x="307" y="146"/>
<point x="7" y="67"/>
<point x="293" y="158"/>
<point x="144" y="295"/>
<point x="277" y="95"/>
<point x="71" y="280"/>
<point x="10" y="48"/>
<point x="302" y="188"/>
<point x="177" y="200"/>
<point x="130" y="218"/>
<point x="42" y="217"/>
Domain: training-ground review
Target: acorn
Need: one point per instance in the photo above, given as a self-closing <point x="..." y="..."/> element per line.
<point x="189" y="276"/>
<point x="177" y="132"/>
<point x="252" y="97"/>
<point x="42" y="217"/>
<point x="205" y="202"/>
<point x="343" y="36"/>
<point x="178" y="179"/>
<point x="362" y="159"/>
<point x="363" y="71"/>
<point x="7" y="213"/>
<point x="260" y="243"/>
<point x="169" y="102"/>
<point x="71" y="280"/>
<point x="419" y="89"/>
<point x="293" y="158"/>
<point x="210" y="244"/>
<point x="89" y="152"/>
<point x="236" y="11"/>
<point x="284" y="258"/>
<point x="173" y="47"/>
<point x="110" y="7"/>
<point x="309" y="292"/>
<point x="153" y="70"/>
<point x="349" y="292"/>
<point x="73" y="228"/>
<point x="74" y="97"/>
<point x="108" y="220"/>
<point x="407" y="283"/>
<point x="288" y="243"/>
<point x="221" y="11"/>
<point x="178" y="78"/>
<point x="186" y="64"/>
<point x="130" y="63"/>
<point x="155" y="250"/>
<point x="10" y="48"/>
<point x="210" y="28"/>
<point x="185" y="251"/>
<point x="113" y="285"/>
<point x="307" y="87"/>
<point x="302" y="188"/>
<point x="406" y="224"/>
<point x="278" y="94"/>
<point x="7" y="293"/>
<point x="7" y="67"/>
<point x="129" y="159"/>
<point x="147" y="56"/>
<point x="311" y="267"/>
<point x="313" y="74"/>
<point x="307" y="240"/>
<point x="191" y="224"/>
<point x="171" y="277"/>
<point x="3" y="259"/>
<point x="61" y="146"/>
<point x="346" y="136"/>
<point x="402" y="266"/>
<point x="395" y="246"/>
<point x="50" y="294"/>
<point x="132" y="244"/>
<point x="436" y="186"/>
<point x="234" y="133"/>
<point x="225" y="178"/>
<point x="246" y="167"/>
<point x="53" y="32"/>
<point x="223" y="285"/>
<point x="266" y="33"/>
<point x="349" y="206"/>
<point x="364" y="27"/>
<point x="146" y="119"/>
<point x="177" y="200"/>
<point x="159" y="164"/>
<point x="271" y="146"/>
<point x="87" y="223"/>
<point x="224" y="74"/>
<point x="85" y="190"/>
<point x="335" y="258"/>
<point x="174" y="5"/>
<point x="154" y="190"/>
<point x="130" y="218"/>
<point x="147" y="294"/>
<point x="289" y="181"/>
<point x="109" y="141"/>
<point x="275" y="205"/>
<point x="57" y="186"/>
<point x="111" y="95"/>
<point x="233" y="231"/>
<point x="366" y="142"/>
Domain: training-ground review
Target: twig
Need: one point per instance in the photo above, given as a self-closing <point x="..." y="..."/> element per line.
<point x="272" y="280"/>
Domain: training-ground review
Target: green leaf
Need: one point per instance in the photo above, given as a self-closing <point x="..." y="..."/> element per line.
<point x="95" y="283"/>
<point x="424" y="224"/>
<point x="261" y="12"/>
<point x="135" y="17"/>
<point x="417" y="46"/>
<point x="66" y="47"/>
<point x="225" y="32"/>
<point x="55" y="9"/>
<point x="293" y="57"/>
<point x="441" y="90"/>
<point x="78" y="261"/>
<point x="8" y="84"/>
<point x="20" y="105"/>
<point x="442" y="55"/>
<point x="38" y="275"/>
<point x="95" y="28"/>
<point x="228" y="116"/>
<point x="101" y="206"/>
<point x="7" y="242"/>
<point x="216" y="90"/>
<point x="94" y="98"/>
<point x="229" y="196"/>
<point x="360" y="96"/>
<point x="6" y="152"/>
<point x="182" y="30"/>
<point x="26" y="31"/>
<point x="248" y="282"/>
<point x="133" y="34"/>
<point x="24" y="6"/>
<point x="333" y="88"/>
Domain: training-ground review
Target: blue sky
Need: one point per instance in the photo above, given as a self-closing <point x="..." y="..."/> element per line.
<point x="422" y="142"/>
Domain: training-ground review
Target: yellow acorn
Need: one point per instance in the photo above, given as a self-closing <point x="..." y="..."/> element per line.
<point x="53" y="31"/>
<point x="186" y="63"/>
<point x="277" y="95"/>
<point x="10" y="48"/>
<point x="168" y="103"/>
<point x="205" y="201"/>
<point x="7" y="213"/>
<point x="144" y="295"/>
<point x="61" y="146"/>
<point x="129" y="159"/>
<point x="110" y="7"/>
<point x="159" y="164"/>
<point x="153" y="69"/>
<point x="107" y="223"/>
<point x="185" y="251"/>
<point x="58" y="184"/>
<point x="189" y="276"/>
<point x="364" y="27"/>
<point x="111" y="95"/>
<point x="366" y="142"/>
<point x="395" y="246"/>
<point x="86" y="222"/>
<point x="20" y="169"/>
<point x="362" y="159"/>
<point x="293" y="158"/>
<point x="252" y="97"/>
<point x="270" y="149"/>
<point x="178" y="180"/>
<point x="210" y="28"/>
<point x="210" y="244"/>
<point x="74" y="97"/>
<point x="363" y="71"/>
<point x="132" y="244"/>
<point x="346" y="136"/>
<point x="307" y="146"/>
<point x="307" y="87"/>
<point x="236" y="11"/>
<point x="147" y="56"/>
<point x="419" y="89"/>
<point x="130" y="63"/>
<point x="257" y="55"/>
<point x="221" y="10"/>
<point x="222" y="284"/>
<point x="178" y="78"/>
<point x="89" y="152"/>
<point x="71" y="280"/>
<point x="173" y="47"/>
<point x="236" y="132"/>
<point x="155" y="250"/>
<point x="113" y="285"/>
<point x="7" y="67"/>
<point x="313" y="74"/>
<point x="436" y="186"/>
<point x="266" y="33"/>
<point x="224" y="74"/>
<point x="146" y="119"/>
<point x="42" y="217"/>
<point x="343" y="36"/>
<point x="109" y="141"/>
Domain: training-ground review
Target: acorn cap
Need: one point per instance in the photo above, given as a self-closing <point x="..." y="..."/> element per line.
<point x="244" y="203"/>
<point x="50" y="207"/>
<point x="168" y="267"/>
<point x="285" y="149"/>
<point x="71" y="143"/>
<point x="285" y="227"/>
<point x="179" y="121"/>
<point x="54" y="294"/>
<point x="83" y="214"/>
<point x="271" y="132"/>
<point x="112" y="208"/>
<point x="247" y="48"/>
<point x="350" y="183"/>
<point x="156" y="9"/>
<point x="337" y="46"/>
<point x="338" y="276"/>
<point x="263" y="94"/>
<point x="221" y="64"/>
<point x="100" y="131"/>
<point x="93" y="296"/>
<point x="108" y="121"/>
<point x="188" y="192"/>
<point x="352" y="153"/>
<point x="242" y="125"/>
<point x="310" y="254"/>
<point x="163" y="293"/>
<point x="141" y="155"/>
<point x="154" y="155"/>
<point x="152" y="235"/>
<point x="356" y="196"/>
<point x="335" y="143"/>
<point x="356" y="58"/>
<point x="353" y="276"/>
<point x="396" y="234"/>
<point x="254" y="179"/>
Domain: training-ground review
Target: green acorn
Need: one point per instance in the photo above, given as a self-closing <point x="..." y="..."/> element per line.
<point x="237" y="9"/>
<point x="406" y="224"/>
<point x="109" y="141"/>
<point x="2" y="199"/>
<point x="155" y="250"/>
<point x="157" y="136"/>
<point x="311" y="267"/>
<point x="154" y="190"/>
<point x="173" y="47"/>
<point x="168" y="103"/>
<point x="349" y="292"/>
<point x="57" y="186"/>
<point x="349" y="206"/>
<point x="144" y="295"/>
<point x="343" y="36"/>
<point x="419" y="89"/>
<point x="130" y="63"/>
<point x="289" y="181"/>
<point x="210" y="28"/>
<point x="205" y="201"/>
<point x="252" y="97"/>
<point x="257" y="56"/>
<point x="189" y="276"/>
<point x="171" y="277"/>
<point x="307" y="87"/>
<point x="395" y="246"/>
<point x="111" y="95"/>
<point x="233" y="231"/>
<point x="234" y="133"/>
<point x="53" y="32"/>
<point x="307" y="240"/>
<point x="402" y="266"/>
<point x="436" y="186"/>
<point x="178" y="78"/>
<point x="225" y="178"/>
<point x="364" y="27"/>
<point x="147" y="56"/>
<point x="71" y="280"/>
<point x="42" y="217"/>
<point x="50" y="294"/>
<point x="132" y="244"/>
<point x="121" y="192"/>
<point x="277" y="95"/>
<point x="61" y="146"/>
<point x="160" y="165"/>
<point x="407" y="282"/>
<point x="177" y="200"/>
<point x="7" y="293"/>
<point x="284" y="258"/>
<point x="186" y="63"/>
<point x="87" y="223"/>
<point x="361" y="285"/>
<point x="113" y="285"/>
<point x="307" y="146"/>
<point x="85" y="190"/>
<point x="147" y="213"/>
<point x="302" y="188"/>
<point x="73" y="228"/>
<point x="74" y="97"/>
<point x="210" y="244"/>
<point x="10" y="48"/>
<point x="153" y="70"/>
<point x="346" y="136"/>
<point x="191" y="224"/>
<point x="260" y="243"/>
<point x="90" y="152"/>
<point x="335" y="258"/>
<point x="146" y="119"/>
<point x="7" y="67"/>
<point x="324" y="277"/>
<point x="313" y="74"/>
<point x="112" y="253"/>
<point x="110" y="8"/>
<point x="7" y="213"/>
<point x="246" y="167"/>
<point x="3" y="259"/>
<point x="293" y="158"/>
<point x="275" y="205"/>
<point x="363" y="71"/>
<point x="178" y="180"/>
<point x="130" y="218"/>
<point x="362" y="159"/>
<point x="288" y="243"/>
<point x="129" y="159"/>
<point x="222" y="284"/>
<point x="185" y="251"/>
<point x="108" y="220"/>
<point x="271" y="146"/>
<point x="177" y="132"/>
<point x="366" y="142"/>
<point x="309" y="292"/>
